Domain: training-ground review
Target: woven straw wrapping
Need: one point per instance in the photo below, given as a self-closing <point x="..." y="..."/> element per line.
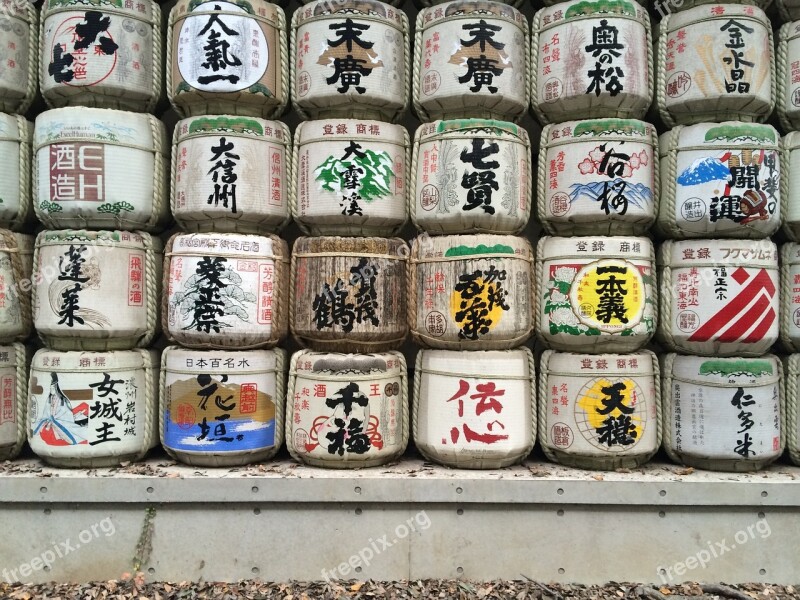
<point x="121" y="84"/>
<point x="253" y="271"/>
<point x="560" y="213"/>
<point x="717" y="395"/>
<point x="18" y="86"/>
<point x="792" y="422"/>
<point x="790" y="186"/>
<point x="267" y="97"/>
<point x="82" y="381"/>
<point x="14" y="365"/>
<point x="382" y="92"/>
<point x="789" y="310"/>
<point x="440" y="201"/>
<point x="789" y="10"/>
<point x="263" y="169"/>
<point x="381" y="378"/>
<point x="256" y="372"/>
<point x="15" y="171"/>
<point x="16" y="322"/>
<point x="131" y="149"/>
<point x="586" y="448"/>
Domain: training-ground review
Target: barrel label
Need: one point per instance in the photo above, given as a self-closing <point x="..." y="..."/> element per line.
<point x="8" y="400"/>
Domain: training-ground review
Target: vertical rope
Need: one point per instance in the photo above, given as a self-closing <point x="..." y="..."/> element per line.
<point x="656" y="172"/>
<point x="280" y="401"/>
<point x="171" y="93"/>
<point x="787" y="250"/>
<point x="149" y="361"/>
<point x="294" y="206"/>
<point x="416" y="72"/>
<point x="20" y="397"/>
<point x="296" y="104"/>
<point x="659" y="412"/>
<point x="159" y="210"/>
<point x="527" y="73"/>
<point x="541" y="183"/>
<point x="288" y="418"/>
<point x="538" y="322"/>
<point x="406" y="74"/>
<point x="153" y="291"/>
<point x="292" y="308"/>
<point x="781" y="405"/>
<point x="282" y="96"/>
<point x="666" y="409"/>
<point x="158" y="62"/>
<point x="664" y="324"/>
<point x="536" y="107"/>
<point x="544" y="437"/>
<point x="782" y="70"/>
<point x="9" y="245"/>
<point x="787" y="147"/>
<point x="162" y="395"/>
<point x="25" y="187"/>
<point x="533" y="423"/>
<point x="661" y="84"/>
<point x="793" y="433"/>
<point x="404" y="428"/>
<point x="165" y="299"/>
<point x="411" y="197"/>
<point x="33" y="59"/>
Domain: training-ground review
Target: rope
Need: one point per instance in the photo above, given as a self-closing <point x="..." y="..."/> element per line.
<point x="24" y="213"/>
<point x="786" y="320"/>
<point x="788" y="146"/>
<point x="538" y="299"/>
<point x="153" y="291"/>
<point x="416" y="73"/>
<point x="158" y="61"/>
<point x="289" y="417"/>
<point x="24" y="327"/>
<point x="661" y="83"/>
<point x="781" y="405"/>
<point x="21" y="400"/>
<point x="543" y="408"/>
<point x="283" y="94"/>
<point x="279" y="400"/>
<point x="168" y="83"/>
<point x="793" y="424"/>
<point x="405" y="74"/>
<point x="295" y="99"/>
<point x="22" y="105"/>
<point x="783" y="63"/>
<point x="541" y="181"/>
<point x="535" y="103"/>
<point x="149" y="365"/>
<point x="667" y="421"/>
<point x="534" y="412"/>
<point x="404" y="425"/>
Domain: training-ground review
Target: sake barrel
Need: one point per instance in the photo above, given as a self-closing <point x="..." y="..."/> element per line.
<point x="598" y="177"/>
<point x="25" y="246"/>
<point x="595" y="294"/>
<point x="590" y="59"/>
<point x="788" y="73"/>
<point x="19" y="36"/>
<point x="790" y="299"/>
<point x="790" y="186"/>
<point x="231" y="174"/>
<point x="715" y="63"/>
<point x="349" y="294"/>
<point x="470" y="60"/>
<point x="420" y="4"/>
<point x="100" y="169"/>
<point x="225" y="290"/>
<point x="475" y="410"/>
<point x="720" y="180"/>
<point x="222" y="407"/>
<point x="106" y="54"/>
<point x="723" y="414"/>
<point x="350" y="177"/>
<point x="15" y="287"/>
<point x="471" y="292"/>
<point x="13" y="399"/>
<point x="93" y="409"/>
<point x="599" y="411"/>
<point x="350" y="58"/>
<point x="15" y="168"/>
<point x="395" y="3"/>
<point x="789" y="10"/>
<point x="472" y="176"/>
<point x="227" y="57"/>
<point x="792" y="423"/>
<point x="96" y="290"/>
<point x="719" y="297"/>
<point x="347" y="411"/>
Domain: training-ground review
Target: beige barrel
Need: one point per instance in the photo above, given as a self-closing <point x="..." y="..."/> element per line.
<point x="225" y="291"/>
<point x="15" y="287"/>
<point x="347" y="411"/>
<point x="591" y="59"/>
<point x="96" y="290"/>
<point x="599" y="411"/>
<point x="790" y="186"/>
<point x="790" y="298"/>
<point x="222" y="408"/>
<point x="227" y="57"/>
<point x="350" y="177"/>
<point x="468" y="419"/>
<point x="15" y="169"/>
<point x="719" y="297"/>
<point x="471" y="176"/>
<point x="595" y="294"/>
<point x="93" y="409"/>
<point x="349" y="294"/>
<point x="105" y="54"/>
<point x="715" y="63"/>
<point x="470" y="60"/>
<point x="720" y="180"/>
<point x="350" y="58"/>
<point x="97" y="168"/>
<point x="231" y="174"/>
<point x="792" y="422"/>
<point x="19" y="73"/>
<point x="788" y="74"/>
<point x="598" y="177"/>
<point x="789" y="10"/>
<point x="471" y="292"/>
<point x="723" y="414"/>
<point x="13" y="399"/>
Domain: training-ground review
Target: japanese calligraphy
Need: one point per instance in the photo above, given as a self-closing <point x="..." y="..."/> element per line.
<point x="350" y="419"/>
<point x="736" y="44"/>
<point x="92" y="32"/>
<point x="611" y="292"/>
<point x="480" y="299"/>
<point x="605" y="47"/>
<point x="349" y="69"/>
<point x="486" y="403"/>
<point x="70" y="267"/>
<point x="107" y="410"/>
<point x="223" y="175"/>
<point x="482" y="182"/>
<point x="482" y="69"/>
<point x="333" y="307"/>
<point x="741" y="401"/>
<point x="218" y="55"/>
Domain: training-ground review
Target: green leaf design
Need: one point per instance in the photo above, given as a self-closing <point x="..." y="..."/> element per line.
<point x="115" y="208"/>
<point x="50" y="207"/>
<point x="258" y="88"/>
<point x="376" y="178"/>
<point x="753" y="368"/>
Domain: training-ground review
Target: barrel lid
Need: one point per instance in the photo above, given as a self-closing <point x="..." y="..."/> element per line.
<point x="8" y="355"/>
<point x="440" y="129"/>
<point x="575" y="364"/>
<point x="595" y="248"/>
<point x="94" y="362"/>
<point x="593" y="129"/>
<point x="471" y="247"/>
<point x="791" y="140"/>
<point x="10" y="128"/>
<point x="558" y="14"/>
<point x="207" y="125"/>
<point x="308" y="363"/>
<point x="508" y="364"/>
<point x="255" y="9"/>
<point x="349" y="129"/>
<point x="721" y="135"/>
<point x="694" y="253"/>
<point x="435" y="15"/>
<point x="226" y="244"/>
<point x="789" y="31"/>
<point x="790" y="254"/>
<point x="142" y="10"/>
<point x="177" y="359"/>
<point x="700" y="15"/>
<point x="727" y="372"/>
<point x="372" y="9"/>
<point x="125" y="239"/>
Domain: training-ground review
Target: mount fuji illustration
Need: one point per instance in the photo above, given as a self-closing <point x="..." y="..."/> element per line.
<point x="704" y="170"/>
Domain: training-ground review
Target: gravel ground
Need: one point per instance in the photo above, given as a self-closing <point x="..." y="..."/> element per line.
<point x="136" y="589"/>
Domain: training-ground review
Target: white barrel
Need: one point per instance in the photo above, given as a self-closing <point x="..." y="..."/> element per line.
<point x="231" y="174"/>
<point x="96" y="290"/>
<point x="723" y="414"/>
<point x="790" y="185"/>
<point x="591" y="59"/>
<point x="106" y="54"/>
<point x="475" y="410"/>
<point x="792" y="423"/>
<point x="15" y="169"/>
<point x="719" y="297"/>
<point x="598" y="177"/>
<point x="13" y="399"/>
<point x="350" y="177"/>
<point x="788" y="74"/>
<point x="471" y="60"/>
<point x="350" y="58"/>
<point x="715" y="63"/>
<point x="16" y="322"/>
<point x="100" y="169"/>
<point x="227" y="57"/>
<point x="595" y="294"/>
<point x="790" y="299"/>
<point x="471" y="292"/>
<point x="19" y="73"/>
<point x="222" y="408"/>
<point x="225" y="290"/>
<point x="347" y="411"/>
<point x="720" y="180"/>
<point x="349" y="294"/>
<point x="93" y="409"/>
<point x="661" y="8"/>
<point x="471" y="176"/>
<point x="599" y="411"/>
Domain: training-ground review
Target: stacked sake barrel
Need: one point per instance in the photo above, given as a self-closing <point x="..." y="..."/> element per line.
<point x="598" y="176"/>
<point x="226" y="274"/>
<point x="723" y="194"/>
